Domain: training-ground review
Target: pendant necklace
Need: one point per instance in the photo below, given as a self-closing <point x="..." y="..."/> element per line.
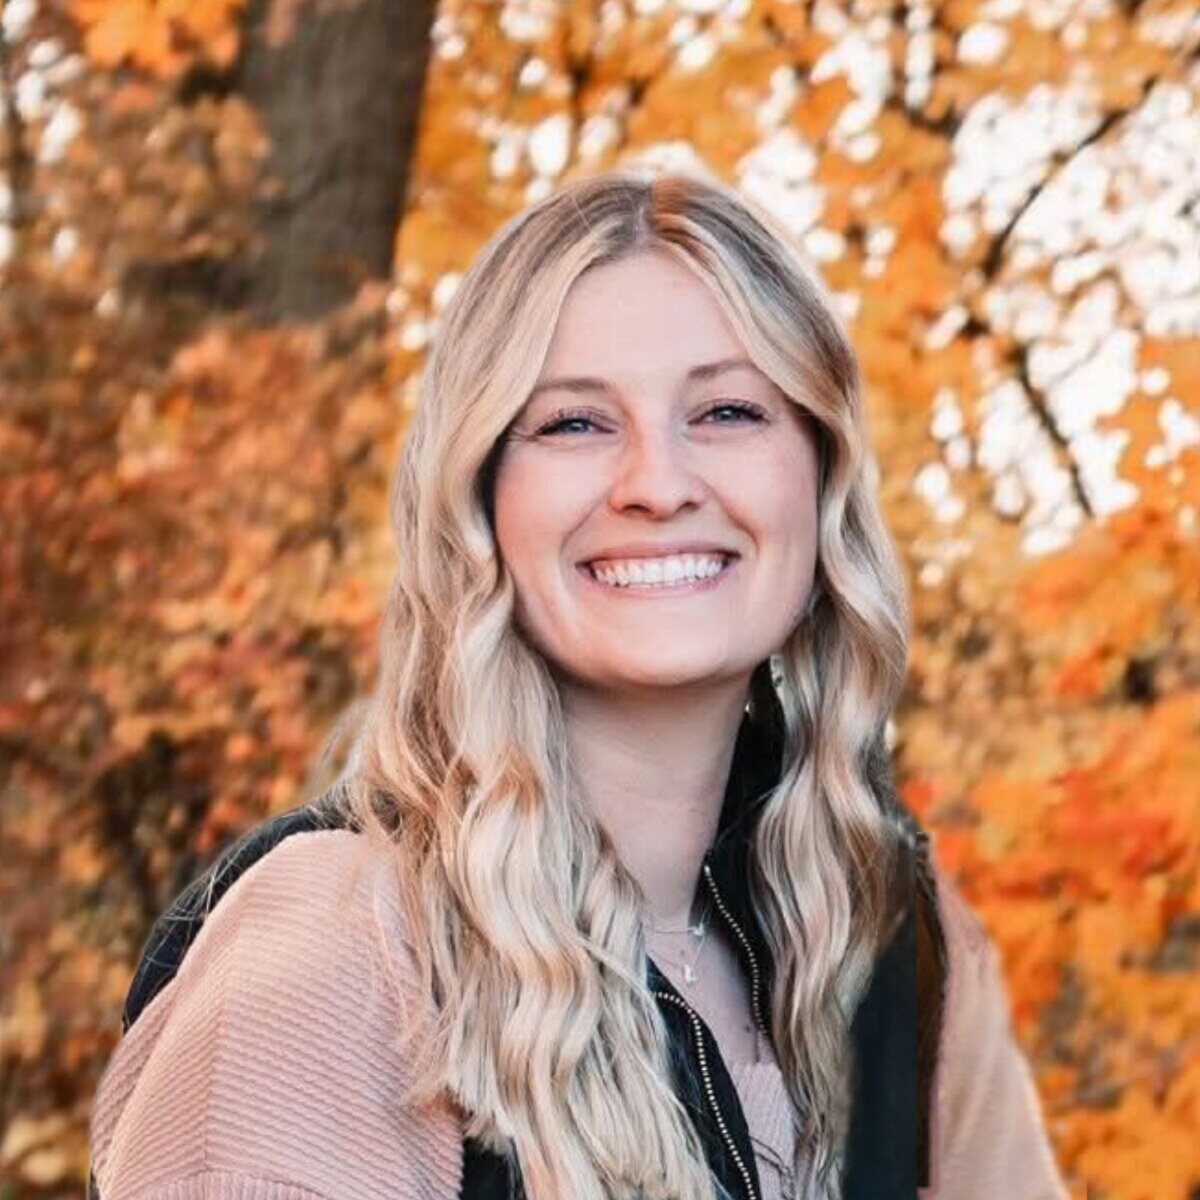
<point x="699" y="931"/>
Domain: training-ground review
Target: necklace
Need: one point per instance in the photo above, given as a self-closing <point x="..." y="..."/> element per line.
<point x="699" y="931"/>
<point x="696" y="929"/>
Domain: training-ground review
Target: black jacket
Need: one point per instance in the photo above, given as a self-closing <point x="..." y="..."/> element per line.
<point x="895" y="1031"/>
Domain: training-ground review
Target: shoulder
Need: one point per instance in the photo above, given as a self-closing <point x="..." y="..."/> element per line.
<point x="961" y="924"/>
<point x="177" y="928"/>
<point x="989" y="1134"/>
<point x="975" y="996"/>
<point x="311" y="912"/>
<point x="272" y="1053"/>
<point x="308" y="916"/>
<point x="334" y="879"/>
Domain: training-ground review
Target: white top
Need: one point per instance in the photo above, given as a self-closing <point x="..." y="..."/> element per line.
<point x="772" y="1128"/>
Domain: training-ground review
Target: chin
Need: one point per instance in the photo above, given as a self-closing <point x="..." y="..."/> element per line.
<point x="663" y="675"/>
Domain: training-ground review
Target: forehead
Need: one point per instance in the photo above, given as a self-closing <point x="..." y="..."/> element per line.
<point x="644" y="318"/>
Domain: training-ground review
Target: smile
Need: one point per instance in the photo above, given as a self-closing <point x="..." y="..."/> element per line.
<point x="671" y="575"/>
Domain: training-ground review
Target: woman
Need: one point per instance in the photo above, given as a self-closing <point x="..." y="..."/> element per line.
<point x="614" y="897"/>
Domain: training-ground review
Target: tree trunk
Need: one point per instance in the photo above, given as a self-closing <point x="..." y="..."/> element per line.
<point x="340" y="97"/>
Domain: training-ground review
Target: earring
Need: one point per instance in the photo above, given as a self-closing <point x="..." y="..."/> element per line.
<point x="776" y="662"/>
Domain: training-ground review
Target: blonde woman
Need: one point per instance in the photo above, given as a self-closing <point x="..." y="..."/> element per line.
<point x="614" y="897"/>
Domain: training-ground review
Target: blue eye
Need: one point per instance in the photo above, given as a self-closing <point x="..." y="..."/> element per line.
<point x="562" y="419"/>
<point x="752" y="411"/>
<point x="744" y="411"/>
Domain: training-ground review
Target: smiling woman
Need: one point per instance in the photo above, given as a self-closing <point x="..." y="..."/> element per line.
<point x="614" y="898"/>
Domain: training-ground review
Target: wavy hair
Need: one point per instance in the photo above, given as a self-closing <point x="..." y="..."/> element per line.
<point x="534" y="1015"/>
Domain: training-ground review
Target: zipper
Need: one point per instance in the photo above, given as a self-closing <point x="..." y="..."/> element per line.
<point x="698" y="1029"/>
<point x="710" y="1091"/>
<point x="745" y="941"/>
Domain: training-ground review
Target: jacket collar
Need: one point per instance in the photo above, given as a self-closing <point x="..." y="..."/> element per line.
<point x="753" y="775"/>
<point x="888" y="1149"/>
<point x="754" y="771"/>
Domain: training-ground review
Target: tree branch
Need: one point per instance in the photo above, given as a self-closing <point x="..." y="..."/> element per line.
<point x="994" y="258"/>
<point x="18" y="161"/>
<point x="1037" y="401"/>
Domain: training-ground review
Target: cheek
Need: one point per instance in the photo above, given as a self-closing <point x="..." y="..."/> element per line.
<point x="777" y="499"/>
<point x="535" y="510"/>
<point x="516" y="519"/>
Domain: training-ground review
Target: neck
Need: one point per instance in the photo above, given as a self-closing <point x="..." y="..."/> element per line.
<point x="653" y="767"/>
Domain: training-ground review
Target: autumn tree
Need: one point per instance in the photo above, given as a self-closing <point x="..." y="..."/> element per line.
<point x="223" y="252"/>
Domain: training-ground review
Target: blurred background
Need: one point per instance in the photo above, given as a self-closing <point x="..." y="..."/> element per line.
<point x="227" y="228"/>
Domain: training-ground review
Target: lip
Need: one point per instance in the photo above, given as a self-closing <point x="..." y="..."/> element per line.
<point x="660" y="590"/>
<point x="644" y="551"/>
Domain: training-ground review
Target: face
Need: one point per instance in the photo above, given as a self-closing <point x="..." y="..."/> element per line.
<point x="652" y="451"/>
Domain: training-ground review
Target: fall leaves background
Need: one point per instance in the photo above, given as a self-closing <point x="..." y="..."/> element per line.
<point x="1004" y="196"/>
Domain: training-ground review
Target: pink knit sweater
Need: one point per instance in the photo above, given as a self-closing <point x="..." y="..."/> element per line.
<point x="266" y="1069"/>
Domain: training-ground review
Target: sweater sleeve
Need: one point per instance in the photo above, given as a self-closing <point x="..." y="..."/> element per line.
<point x="989" y="1139"/>
<point x="268" y="1068"/>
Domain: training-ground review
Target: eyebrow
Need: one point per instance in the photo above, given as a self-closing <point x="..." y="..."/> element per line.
<point x="589" y="383"/>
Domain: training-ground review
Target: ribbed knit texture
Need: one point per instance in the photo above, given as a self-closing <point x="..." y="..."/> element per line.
<point x="768" y="1112"/>
<point x="267" y="1068"/>
<point x="989" y="1136"/>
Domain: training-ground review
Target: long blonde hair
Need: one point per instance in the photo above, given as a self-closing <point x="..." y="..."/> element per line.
<point x="524" y="924"/>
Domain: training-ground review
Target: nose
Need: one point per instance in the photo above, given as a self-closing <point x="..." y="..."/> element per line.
<point x="655" y="473"/>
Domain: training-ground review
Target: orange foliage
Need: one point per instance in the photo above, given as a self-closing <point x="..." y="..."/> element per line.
<point x="204" y="554"/>
<point x="163" y="37"/>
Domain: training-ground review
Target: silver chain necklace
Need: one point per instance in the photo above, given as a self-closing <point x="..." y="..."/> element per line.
<point x="699" y="931"/>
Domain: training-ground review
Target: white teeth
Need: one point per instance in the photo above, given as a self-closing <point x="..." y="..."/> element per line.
<point x="662" y="571"/>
